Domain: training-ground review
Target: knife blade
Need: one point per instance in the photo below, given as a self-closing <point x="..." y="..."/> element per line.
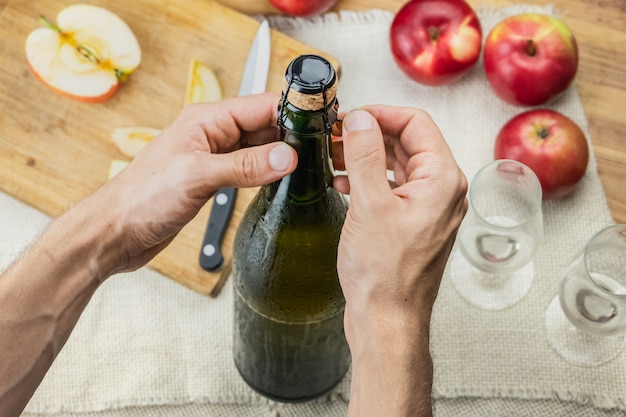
<point x="253" y="81"/>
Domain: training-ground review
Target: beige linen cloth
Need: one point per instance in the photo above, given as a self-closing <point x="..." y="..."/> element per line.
<point x="148" y="346"/>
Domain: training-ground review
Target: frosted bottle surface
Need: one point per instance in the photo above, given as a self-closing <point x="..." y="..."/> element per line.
<point x="289" y="341"/>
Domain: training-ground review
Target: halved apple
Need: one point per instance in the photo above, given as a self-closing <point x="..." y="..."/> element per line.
<point x="86" y="55"/>
<point x="202" y="84"/>
<point x="130" y="140"/>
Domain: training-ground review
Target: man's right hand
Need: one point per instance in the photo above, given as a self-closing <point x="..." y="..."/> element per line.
<point x="393" y="250"/>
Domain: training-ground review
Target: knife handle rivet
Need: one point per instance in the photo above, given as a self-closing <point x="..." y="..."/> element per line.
<point x="221" y="199"/>
<point x="209" y="250"/>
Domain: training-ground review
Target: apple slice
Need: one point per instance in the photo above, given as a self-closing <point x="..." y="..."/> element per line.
<point x="117" y="165"/>
<point x="202" y="84"/>
<point x="86" y="55"/>
<point x="131" y="140"/>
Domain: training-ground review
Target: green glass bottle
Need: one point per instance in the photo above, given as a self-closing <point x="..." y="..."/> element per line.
<point x="289" y="341"/>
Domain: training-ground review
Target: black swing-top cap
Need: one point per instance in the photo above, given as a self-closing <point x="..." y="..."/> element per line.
<point x="310" y="74"/>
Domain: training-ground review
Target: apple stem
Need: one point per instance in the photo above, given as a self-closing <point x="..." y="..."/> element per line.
<point x="45" y="22"/>
<point x="543" y="133"/>
<point x="531" y="48"/>
<point x="433" y="32"/>
<point x="121" y="75"/>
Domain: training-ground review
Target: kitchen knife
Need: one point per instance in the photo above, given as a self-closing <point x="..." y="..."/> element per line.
<point x="253" y="81"/>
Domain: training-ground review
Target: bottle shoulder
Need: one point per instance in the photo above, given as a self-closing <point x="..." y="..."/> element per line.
<point x="279" y="198"/>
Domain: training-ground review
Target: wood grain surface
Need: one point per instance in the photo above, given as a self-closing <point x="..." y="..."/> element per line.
<point x="600" y="30"/>
<point x="55" y="151"/>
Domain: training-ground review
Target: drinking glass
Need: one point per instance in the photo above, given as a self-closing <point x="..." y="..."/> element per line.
<point x="499" y="236"/>
<point x="586" y="321"/>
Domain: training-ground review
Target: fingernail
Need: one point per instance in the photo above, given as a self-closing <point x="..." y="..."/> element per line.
<point x="281" y="157"/>
<point x="357" y="120"/>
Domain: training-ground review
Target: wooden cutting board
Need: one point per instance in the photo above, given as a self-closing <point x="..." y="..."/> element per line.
<point x="55" y="151"/>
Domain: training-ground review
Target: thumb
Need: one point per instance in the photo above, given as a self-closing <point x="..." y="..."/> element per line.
<point x="364" y="155"/>
<point x="254" y="166"/>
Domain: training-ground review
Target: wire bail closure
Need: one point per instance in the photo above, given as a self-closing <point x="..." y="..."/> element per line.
<point x="310" y="84"/>
<point x="282" y="116"/>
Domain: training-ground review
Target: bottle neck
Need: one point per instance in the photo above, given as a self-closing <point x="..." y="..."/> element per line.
<point x="308" y="132"/>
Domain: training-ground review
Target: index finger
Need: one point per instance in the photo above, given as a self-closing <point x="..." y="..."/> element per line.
<point x="417" y="131"/>
<point x="238" y="122"/>
<point x="255" y="116"/>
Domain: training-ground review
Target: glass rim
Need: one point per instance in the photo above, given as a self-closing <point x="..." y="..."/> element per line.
<point x="530" y="217"/>
<point x="587" y="250"/>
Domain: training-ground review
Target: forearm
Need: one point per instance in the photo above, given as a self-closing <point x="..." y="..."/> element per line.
<point x="392" y="371"/>
<point x="43" y="294"/>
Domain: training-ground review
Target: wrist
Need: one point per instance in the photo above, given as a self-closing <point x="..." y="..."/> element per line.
<point x="387" y="328"/>
<point x="82" y="245"/>
<point x="99" y="229"/>
<point x="392" y="370"/>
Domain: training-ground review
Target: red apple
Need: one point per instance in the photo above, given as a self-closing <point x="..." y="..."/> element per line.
<point x="303" y="8"/>
<point x="86" y="55"/>
<point x="435" y="42"/>
<point x="551" y="144"/>
<point x="530" y="59"/>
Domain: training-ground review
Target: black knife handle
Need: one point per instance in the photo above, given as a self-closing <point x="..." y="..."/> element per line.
<point x="211" y="257"/>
